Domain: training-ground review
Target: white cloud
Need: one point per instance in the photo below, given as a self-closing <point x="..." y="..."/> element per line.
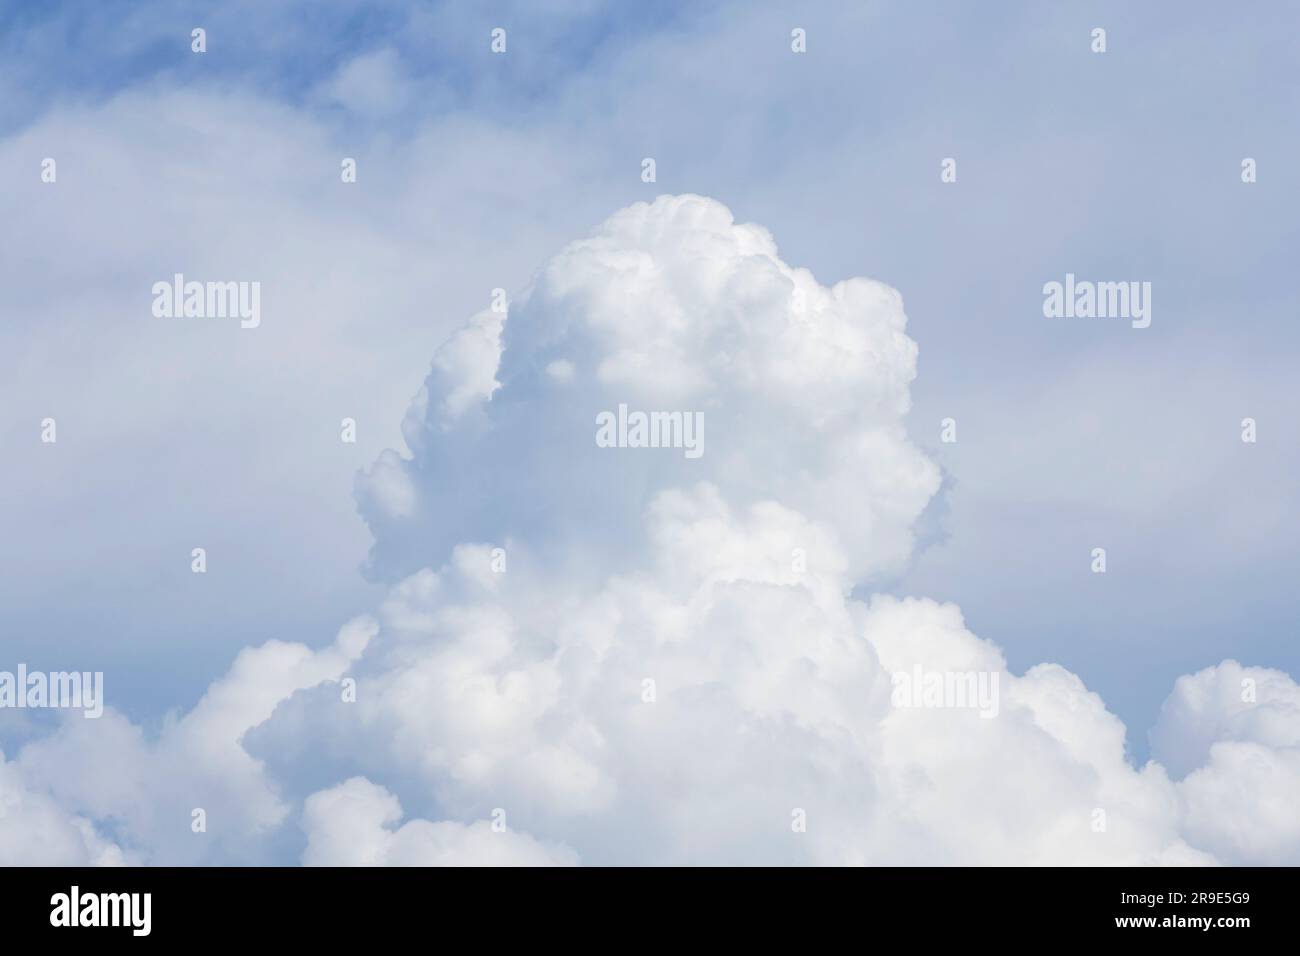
<point x="36" y="831"/>
<point x="1235" y="732"/>
<point x="110" y="769"/>
<point x="1241" y="805"/>
<point x="667" y="307"/>
<point x="723" y="581"/>
<point x="352" y="825"/>
<point x="1225" y="703"/>
<point x="671" y="668"/>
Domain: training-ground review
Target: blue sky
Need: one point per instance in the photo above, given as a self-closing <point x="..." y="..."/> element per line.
<point x="476" y="168"/>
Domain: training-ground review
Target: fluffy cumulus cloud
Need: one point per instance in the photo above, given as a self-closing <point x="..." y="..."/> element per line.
<point x="148" y="786"/>
<point x="638" y="655"/>
<point x="36" y="831"/>
<point x="1235" y="732"/>
<point x="352" y="825"/>
<point x="672" y="308"/>
<point x="652" y="657"/>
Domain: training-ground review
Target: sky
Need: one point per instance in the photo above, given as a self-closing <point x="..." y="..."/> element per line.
<point x="476" y="172"/>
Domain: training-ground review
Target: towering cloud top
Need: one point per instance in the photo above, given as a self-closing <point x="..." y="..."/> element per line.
<point x="651" y="656"/>
<point x="670" y="308"/>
